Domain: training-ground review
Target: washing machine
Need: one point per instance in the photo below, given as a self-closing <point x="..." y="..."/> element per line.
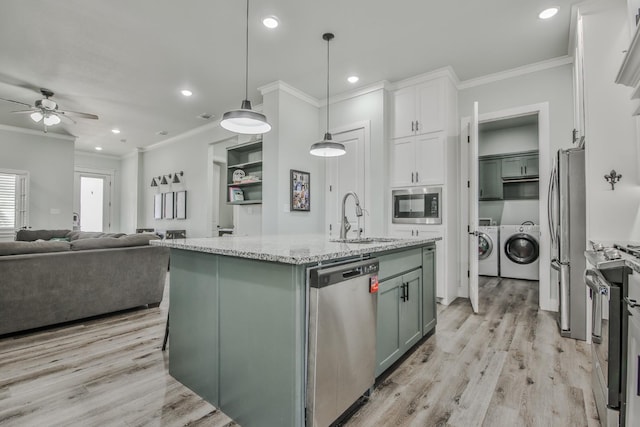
<point x="520" y="254"/>
<point x="488" y="250"/>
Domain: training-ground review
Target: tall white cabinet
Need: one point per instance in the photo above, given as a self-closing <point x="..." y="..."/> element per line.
<point x="423" y="151"/>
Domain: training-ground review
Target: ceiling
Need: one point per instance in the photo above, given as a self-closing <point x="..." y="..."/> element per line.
<point x="127" y="60"/>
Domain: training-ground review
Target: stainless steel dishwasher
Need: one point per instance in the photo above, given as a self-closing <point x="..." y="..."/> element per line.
<point x="342" y="338"/>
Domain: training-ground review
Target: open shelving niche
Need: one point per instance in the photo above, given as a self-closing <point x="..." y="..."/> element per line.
<point x="248" y="158"/>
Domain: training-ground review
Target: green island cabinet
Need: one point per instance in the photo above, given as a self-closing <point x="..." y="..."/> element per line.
<point x="238" y="327"/>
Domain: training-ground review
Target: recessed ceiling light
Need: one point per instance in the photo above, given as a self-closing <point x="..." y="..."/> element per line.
<point x="186" y="92"/>
<point x="162" y="132"/>
<point x="353" y="79"/>
<point x="116" y="131"/>
<point x="98" y="148"/>
<point x="548" y="13"/>
<point x="271" y="22"/>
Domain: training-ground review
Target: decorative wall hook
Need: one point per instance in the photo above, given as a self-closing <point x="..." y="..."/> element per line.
<point x="613" y="178"/>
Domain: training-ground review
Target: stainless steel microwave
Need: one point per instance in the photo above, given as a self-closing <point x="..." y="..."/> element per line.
<point x="417" y="205"/>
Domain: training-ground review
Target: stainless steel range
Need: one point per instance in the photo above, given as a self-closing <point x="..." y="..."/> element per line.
<point x="608" y="285"/>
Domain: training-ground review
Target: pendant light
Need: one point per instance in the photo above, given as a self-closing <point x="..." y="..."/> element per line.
<point x="327" y="147"/>
<point x="245" y="120"/>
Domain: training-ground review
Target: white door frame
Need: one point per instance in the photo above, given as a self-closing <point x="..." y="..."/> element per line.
<point x="92" y="172"/>
<point x="547" y="301"/>
<point x="365" y="125"/>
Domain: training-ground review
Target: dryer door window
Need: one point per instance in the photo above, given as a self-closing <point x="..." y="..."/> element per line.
<point x="485" y="246"/>
<point x="522" y="248"/>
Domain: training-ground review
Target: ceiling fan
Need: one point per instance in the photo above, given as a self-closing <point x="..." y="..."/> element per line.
<point x="46" y="109"/>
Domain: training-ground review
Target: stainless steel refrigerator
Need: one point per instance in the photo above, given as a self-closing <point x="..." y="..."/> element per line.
<point x="567" y="225"/>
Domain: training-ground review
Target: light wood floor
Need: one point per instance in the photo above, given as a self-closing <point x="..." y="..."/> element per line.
<point x="504" y="367"/>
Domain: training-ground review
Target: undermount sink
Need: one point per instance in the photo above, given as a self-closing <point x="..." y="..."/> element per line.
<point x="366" y="240"/>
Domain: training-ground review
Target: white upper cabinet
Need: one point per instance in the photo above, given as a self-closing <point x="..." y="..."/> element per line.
<point x="418" y="160"/>
<point x="418" y="109"/>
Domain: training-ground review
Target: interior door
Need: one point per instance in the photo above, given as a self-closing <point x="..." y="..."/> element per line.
<point x="346" y="173"/>
<point x="473" y="210"/>
<point x="93" y="201"/>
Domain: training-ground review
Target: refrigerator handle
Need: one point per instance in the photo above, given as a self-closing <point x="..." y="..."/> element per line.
<point x="550" y="210"/>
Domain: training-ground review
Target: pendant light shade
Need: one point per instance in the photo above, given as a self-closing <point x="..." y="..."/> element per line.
<point x="245" y="120"/>
<point x="327" y="147"/>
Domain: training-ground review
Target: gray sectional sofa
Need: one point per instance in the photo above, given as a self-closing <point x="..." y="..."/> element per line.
<point x="54" y="276"/>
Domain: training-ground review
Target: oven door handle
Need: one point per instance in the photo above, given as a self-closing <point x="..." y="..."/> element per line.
<point x="632" y="304"/>
<point x="595" y="282"/>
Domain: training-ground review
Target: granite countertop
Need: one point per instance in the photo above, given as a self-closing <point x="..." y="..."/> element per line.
<point x="289" y="249"/>
<point x="598" y="260"/>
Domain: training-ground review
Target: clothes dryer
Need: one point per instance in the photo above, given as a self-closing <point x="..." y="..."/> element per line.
<point x="488" y="250"/>
<point x="520" y="254"/>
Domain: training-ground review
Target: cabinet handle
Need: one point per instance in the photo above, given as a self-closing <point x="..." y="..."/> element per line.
<point x="407" y="285"/>
<point x="417" y="232"/>
<point x="525" y="169"/>
<point x="417" y="180"/>
<point x="412" y="130"/>
<point x="411" y="176"/>
<point x="412" y="232"/>
<point x="481" y="192"/>
<point x="417" y="126"/>
<point x="402" y="297"/>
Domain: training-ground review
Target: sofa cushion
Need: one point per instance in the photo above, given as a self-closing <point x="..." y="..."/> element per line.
<point x="76" y="235"/>
<point x="112" y="242"/>
<point x="33" y="235"/>
<point x="19" y="248"/>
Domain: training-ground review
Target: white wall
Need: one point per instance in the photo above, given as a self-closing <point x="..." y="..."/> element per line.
<point x="129" y="193"/>
<point x="188" y="153"/>
<point x="101" y="162"/>
<point x="508" y="140"/>
<point x="49" y="161"/>
<point x="294" y="124"/>
<point x="609" y="134"/>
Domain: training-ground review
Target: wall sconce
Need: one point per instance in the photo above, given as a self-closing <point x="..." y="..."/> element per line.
<point x="167" y="179"/>
<point x="612" y="178"/>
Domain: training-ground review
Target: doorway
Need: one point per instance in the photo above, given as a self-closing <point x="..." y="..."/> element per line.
<point x="346" y="173"/>
<point x="92" y="199"/>
<point x="504" y="199"/>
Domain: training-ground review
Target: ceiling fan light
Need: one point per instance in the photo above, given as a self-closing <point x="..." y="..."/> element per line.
<point x="51" y="119"/>
<point x="36" y="116"/>
<point x="327" y="148"/>
<point x="245" y="120"/>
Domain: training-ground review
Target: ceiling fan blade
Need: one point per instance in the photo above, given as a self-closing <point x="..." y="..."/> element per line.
<point x="77" y="114"/>
<point x="16" y="102"/>
<point x="67" y="118"/>
<point x="24" y="111"/>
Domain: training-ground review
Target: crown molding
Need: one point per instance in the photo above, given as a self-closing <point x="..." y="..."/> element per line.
<point x="381" y="85"/>
<point x="280" y="85"/>
<point x="515" y="72"/>
<point x="101" y="155"/>
<point x="447" y="72"/>
<point x="37" y="133"/>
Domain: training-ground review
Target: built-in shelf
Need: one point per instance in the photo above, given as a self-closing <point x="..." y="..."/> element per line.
<point x="246" y="158"/>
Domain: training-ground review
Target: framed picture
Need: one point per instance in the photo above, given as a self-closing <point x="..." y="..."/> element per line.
<point x="300" y="191"/>
<point x="181" y="204"/>
<point x="157" y="206"/>
<point x="168" y="205"/>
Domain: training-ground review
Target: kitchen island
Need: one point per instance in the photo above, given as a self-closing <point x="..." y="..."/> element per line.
<point x="238" y="310"/>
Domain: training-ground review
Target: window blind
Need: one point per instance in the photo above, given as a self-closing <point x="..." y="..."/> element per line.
<point x="8" y="201"/>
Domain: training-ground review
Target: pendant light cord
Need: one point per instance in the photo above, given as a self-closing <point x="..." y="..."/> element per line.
<point x="246" y="59"/>
<point x="328" y="40"/>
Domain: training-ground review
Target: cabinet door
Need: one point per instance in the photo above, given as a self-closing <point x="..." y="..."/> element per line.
<point x="388" y="324"/>
<point x="402" y="230"/>
<point x="530" y="164"/>
<point x="490" y="179"/>
<point x="410" y="309"/>
<point x="429" y="157"/>
<point x="404" y="112"/>
<point x="512" y="167"/>
<point x="431" y="108"/>
<point x="403" y="170"/>
<point x="428" y="289"/>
